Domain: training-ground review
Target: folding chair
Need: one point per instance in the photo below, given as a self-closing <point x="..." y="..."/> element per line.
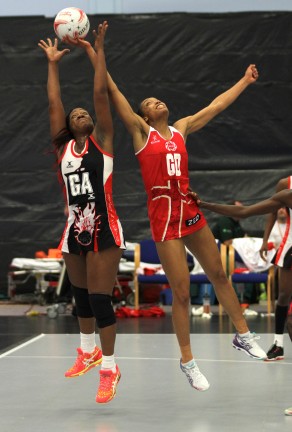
<point x="146" y="252"/>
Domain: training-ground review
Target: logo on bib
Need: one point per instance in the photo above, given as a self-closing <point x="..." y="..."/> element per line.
<point x="171" y="146"/>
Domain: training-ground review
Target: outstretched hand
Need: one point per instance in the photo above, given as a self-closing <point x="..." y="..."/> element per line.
<point x="51" y="50"/>
<point x="77" y="42"/>
<point x="100" y="35"/>
<point x="195" y="197"/>
<point x="251" y="74"/>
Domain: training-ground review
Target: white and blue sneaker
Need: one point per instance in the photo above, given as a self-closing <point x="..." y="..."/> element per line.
<point x="194" y="376"/>
<point x="249" y="345"/>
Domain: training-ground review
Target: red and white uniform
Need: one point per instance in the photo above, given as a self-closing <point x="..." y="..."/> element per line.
<point x="92" y="224"/>
<point x="283" y="256"/>
<point x="164" y="167"/>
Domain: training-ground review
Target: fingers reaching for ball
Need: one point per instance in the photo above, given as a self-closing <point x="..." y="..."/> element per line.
<point x="51" y="49"/>
<point x="99" y="35"/>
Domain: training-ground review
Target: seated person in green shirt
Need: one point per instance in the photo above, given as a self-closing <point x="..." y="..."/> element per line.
<point x="228" y="228"/>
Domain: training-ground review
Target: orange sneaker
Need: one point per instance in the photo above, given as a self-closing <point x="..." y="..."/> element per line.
<point x="84" y="362"/>
<point x="107" y="385"/>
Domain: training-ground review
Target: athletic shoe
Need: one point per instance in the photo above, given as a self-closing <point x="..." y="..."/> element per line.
<point x="249" y="346"/>
<point x="275" y="353"/>
<point x="288" y="411"/>
<point x="84" y="362"/>
<point x="107" y="385"/>
<point x="195" y="377"/>
<point x="250" y="312"/>
<point x="197" y="312"/>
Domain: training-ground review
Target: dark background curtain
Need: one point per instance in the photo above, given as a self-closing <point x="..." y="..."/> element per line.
<point x="186" y="60"/>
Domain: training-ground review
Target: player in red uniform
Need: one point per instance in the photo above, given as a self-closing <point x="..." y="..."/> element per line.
<point x="176" y="221"/>
<point x="92" y="242"/>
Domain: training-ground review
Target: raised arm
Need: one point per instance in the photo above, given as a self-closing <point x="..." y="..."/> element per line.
<point x="56" y="108"/>
<point x="103" y="130"/>
<point x="135" y="125"/>
<point x="195" y="122"/>
<point x="280" y="199"/>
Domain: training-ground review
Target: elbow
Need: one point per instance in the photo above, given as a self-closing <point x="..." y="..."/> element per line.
<point x="217" y="107"/>
<point x="100" y="90"/>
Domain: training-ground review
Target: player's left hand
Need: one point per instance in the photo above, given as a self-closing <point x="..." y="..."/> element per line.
<point x="251" y="73"/>
<point x="100" y="35"/>
<point x="77" y="42"/>
<point x="195" y="197"/>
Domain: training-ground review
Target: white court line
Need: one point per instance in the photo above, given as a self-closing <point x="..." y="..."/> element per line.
<point x="250" y="361"/>
<point x="22" y="345"/>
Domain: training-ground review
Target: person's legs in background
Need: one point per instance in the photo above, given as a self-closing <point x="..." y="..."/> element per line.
<point x="276" y="352"/>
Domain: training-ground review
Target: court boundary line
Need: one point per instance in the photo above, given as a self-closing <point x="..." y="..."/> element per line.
<point x="249" y="361"/>
<point x="24" y="344"/>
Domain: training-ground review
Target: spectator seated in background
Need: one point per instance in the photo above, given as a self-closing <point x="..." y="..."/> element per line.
<point x="279" y="228"/>
<point x="225" y="230"/>
<point x="228" y="228"/>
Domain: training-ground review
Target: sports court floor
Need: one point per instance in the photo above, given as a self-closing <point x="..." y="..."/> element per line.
<point x="153" y="394"/>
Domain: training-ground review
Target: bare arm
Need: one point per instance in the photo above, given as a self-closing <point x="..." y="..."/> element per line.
<point x="195" y="122"/>
<point x="135" y="125"/>
<point x="280" y="199"/>
<point x="103" y="130"/>
<point x="56" y="108"/>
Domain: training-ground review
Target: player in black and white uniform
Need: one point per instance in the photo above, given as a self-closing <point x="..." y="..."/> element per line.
<point x="92" y="241"/>
<point x="93" y="224"/>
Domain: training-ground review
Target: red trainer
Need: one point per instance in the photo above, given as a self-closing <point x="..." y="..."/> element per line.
<point x="107" y="385"/>
<point x="84" y="362"/>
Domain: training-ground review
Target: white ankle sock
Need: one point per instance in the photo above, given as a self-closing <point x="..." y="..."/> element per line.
<point x="189" y="364"/>
<point x="108" y="362"/>
<point x="87" y="343"/>
<point x="279" y="340"/>
<point x="244" y="335"/>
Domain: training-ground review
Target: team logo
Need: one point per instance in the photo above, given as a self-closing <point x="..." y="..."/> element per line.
<point x="85" y="224"/>
<point x="84" y="238"/>
<point x="155" y="139"/>
<point x="171" y="146"/>
<point x="193" y="221"/>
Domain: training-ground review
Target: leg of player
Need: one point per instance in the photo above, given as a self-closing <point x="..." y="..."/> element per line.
<point x="88" y="353"/>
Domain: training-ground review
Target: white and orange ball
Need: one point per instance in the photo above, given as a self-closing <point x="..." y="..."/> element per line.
<point x="71" y="22"/>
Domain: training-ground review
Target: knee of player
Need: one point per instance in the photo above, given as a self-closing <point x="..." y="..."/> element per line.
<point x="103" y="310"/>
<point x="182" y="294"/>
<point x="83" y="307"/>
<point x="219" y="278"/>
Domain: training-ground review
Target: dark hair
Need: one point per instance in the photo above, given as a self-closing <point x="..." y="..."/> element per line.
<point x="62" y="138"/>
<point x="64" y="135"/>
